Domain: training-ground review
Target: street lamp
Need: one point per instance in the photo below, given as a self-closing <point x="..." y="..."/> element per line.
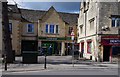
<point x="72" y="38"/>
<point x="45" y="53"/>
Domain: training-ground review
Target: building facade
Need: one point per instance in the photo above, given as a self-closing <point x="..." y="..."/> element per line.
<point x="54" y="31"/>
<point x="14" y="27"/>
<point x="32" y="29"/>
<point x="98" y="28"/>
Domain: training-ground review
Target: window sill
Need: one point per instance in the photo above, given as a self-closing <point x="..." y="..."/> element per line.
<point x="51" y="34"/>
<point x="115" y="26"/>
<point x="88" y="52"/>
<point x="30" y="32"/>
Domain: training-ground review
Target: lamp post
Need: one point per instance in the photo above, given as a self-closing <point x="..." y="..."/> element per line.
<point x="45" y="53"/>
<point x="72" y="38"/>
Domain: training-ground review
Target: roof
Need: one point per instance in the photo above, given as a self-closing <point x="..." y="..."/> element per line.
<point x="13" y="8"/>
<point x="34" y="15"/>
<point x="14" y="12"/>
<point x="70" y="18"/>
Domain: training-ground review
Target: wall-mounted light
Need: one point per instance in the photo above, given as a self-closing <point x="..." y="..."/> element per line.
<point x="105" y="28"/>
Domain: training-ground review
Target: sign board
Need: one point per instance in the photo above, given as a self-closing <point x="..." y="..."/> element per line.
<point x="110" y="41"/>
<point x="72" y="35"/>
<point x="54" y="38"/>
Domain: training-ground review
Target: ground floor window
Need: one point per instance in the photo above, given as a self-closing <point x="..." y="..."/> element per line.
<point x="89" y="47"/>
<point x="115" y="50"/>
<point x="53" y="47"/>
<point x="82" y="47"/>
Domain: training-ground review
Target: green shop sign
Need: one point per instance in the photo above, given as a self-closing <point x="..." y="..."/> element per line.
<point x="54" y="38"/>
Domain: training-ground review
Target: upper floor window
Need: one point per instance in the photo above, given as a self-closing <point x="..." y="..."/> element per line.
<point x="30" y="28"/>
<point x="115" y="22"/>
<point x="46" y="28"/>
<point x="56" y="28"/>
<point x="81" y="29"/>
<point x="52" y="29"/>
<point x="70" y="30"/>
<point x="91" y="23"/>
<point x="10" y="27"/>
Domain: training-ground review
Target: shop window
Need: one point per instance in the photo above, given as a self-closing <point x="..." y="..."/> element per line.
<point x="82" y="47"/>
<point x="115" y="50"/>
<point x="89" y="47"/>
<point x="30" y="28"/>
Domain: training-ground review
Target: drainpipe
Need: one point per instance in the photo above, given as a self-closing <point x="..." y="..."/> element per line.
<point x="85" y="22"/>
<point x="97" y="16"/>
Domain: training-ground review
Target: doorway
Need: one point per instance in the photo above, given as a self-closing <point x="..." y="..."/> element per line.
<point x="106" y="53"/>
<point x="52" y="47"/>
<point x="29" y="45"/>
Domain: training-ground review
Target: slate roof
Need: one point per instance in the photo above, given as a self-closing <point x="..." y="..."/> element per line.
<point x="70" y="18"/>
<point x="13" y="9"/>
<point x="34" y="15"/>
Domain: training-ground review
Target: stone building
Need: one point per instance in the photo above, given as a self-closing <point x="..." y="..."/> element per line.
<point x="29" y="29"/>
<point x="98" y="28"/>
<point x="14" y="16"/>
<point x="54" y="30"/>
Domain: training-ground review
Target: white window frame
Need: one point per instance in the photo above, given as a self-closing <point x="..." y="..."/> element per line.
<point x="92" y="25"/>
<point x="32" y="28"/>
<point x="54" y="29"/>
<point x="45" y="28"/>
<point x="116" y="20"/>
<point x="81" y="29"/>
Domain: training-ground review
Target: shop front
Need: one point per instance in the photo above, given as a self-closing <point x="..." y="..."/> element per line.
<point x="111" y="47"/>
<point x="55" y="45"/>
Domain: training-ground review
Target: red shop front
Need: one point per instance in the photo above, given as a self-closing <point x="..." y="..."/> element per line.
<point x="111" y="47"/>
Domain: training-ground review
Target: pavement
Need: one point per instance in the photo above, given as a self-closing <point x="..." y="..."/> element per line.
<point x="58" y="63"/>
<point x="61" y="65"/>
<point x="60" y="69"/>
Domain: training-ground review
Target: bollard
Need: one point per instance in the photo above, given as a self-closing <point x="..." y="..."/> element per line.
<point x="45" y="61"/>
<point x="5" y="60"/>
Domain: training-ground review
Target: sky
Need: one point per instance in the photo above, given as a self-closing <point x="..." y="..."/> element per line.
<point x="71" y="7"/>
